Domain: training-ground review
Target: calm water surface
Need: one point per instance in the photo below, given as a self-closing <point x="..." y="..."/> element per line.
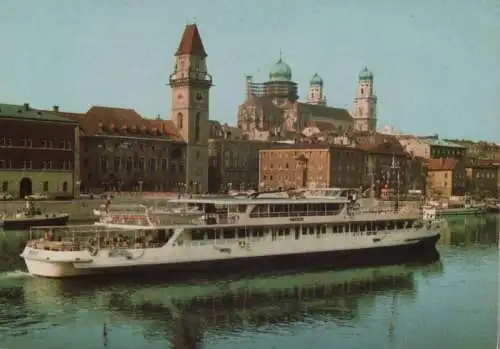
<point x="447" y="304"/>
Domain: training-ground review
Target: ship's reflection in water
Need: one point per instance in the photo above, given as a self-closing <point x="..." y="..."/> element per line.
<point x="185" y="315"/>
<point x="471" y="230"/>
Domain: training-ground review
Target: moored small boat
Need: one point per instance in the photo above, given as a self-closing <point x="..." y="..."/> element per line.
<point x="32" y="216"/>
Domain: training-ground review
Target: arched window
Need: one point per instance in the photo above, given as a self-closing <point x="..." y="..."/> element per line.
<point x="180" y="120"/>
<point x="197" y="127"/>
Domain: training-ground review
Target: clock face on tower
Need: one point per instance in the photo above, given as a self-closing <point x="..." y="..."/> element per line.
<point x="180" y="96"/>
<point x="199" y="96"/>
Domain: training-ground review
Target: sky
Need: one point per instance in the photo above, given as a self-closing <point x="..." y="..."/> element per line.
<point x="435" y="61"/>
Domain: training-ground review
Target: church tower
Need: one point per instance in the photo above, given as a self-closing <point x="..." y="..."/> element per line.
<point x="316" y="95"/>
<point x="190" y="84"/>
<point x="365" y="103"/>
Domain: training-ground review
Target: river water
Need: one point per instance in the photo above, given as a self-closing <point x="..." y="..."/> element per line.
<point x="451" y="303"/>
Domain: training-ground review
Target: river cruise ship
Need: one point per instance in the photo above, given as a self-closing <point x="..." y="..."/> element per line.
<point x="255" y="232"/>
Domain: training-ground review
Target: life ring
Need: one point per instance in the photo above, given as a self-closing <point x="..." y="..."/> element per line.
<point x="92" y="250"/>
<point x="242" y="243"/>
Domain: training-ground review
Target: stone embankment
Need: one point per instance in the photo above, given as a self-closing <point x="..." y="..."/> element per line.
<point x="79" y="210"/>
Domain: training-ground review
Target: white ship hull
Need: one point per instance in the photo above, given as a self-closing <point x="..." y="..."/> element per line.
<point x="336" y="249"/>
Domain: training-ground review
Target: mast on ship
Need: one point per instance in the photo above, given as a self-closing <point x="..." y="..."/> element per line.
<point x="395" y="166"/>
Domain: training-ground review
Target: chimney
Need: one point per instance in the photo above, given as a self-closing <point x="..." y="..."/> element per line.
<point x="26" y="106"/>
<point x="249" y="86"/>
<point x="55" y="108"/>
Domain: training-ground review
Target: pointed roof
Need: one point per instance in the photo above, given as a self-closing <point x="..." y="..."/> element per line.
<point x="191" y="43"/>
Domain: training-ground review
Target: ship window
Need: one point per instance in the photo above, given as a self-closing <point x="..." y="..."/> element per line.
<point x="259" y="211"/>
<point x="211" y="234"/>
<point x="363" y="227"/>
<point x="287" y="231"/>
<point x="197" y="235"/>
<point x="335" y="229"/>
<point x="242" y="208"/>
<point x="311" y="230"/>
<point x="241" y="233"/>
<point x="332" y="208"/>
<point x="354" y="227"/>
<point x="323" y="229"/>
<point x="228" y="233"/>
<point x="400" y="224"/>
<point x="258" y="232"/>
<point x="346" y="228"/>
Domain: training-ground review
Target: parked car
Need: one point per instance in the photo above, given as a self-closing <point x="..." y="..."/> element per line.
<point x="38" y="196"/>
<point x="6" y="196"/>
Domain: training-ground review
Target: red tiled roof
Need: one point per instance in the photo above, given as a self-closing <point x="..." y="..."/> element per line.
<point x="191" y="42"/>
<point x="322" y="125"/>
<point x="379" y="143"/>
<point x="441" y="164"/>
<point x="119" y="121"/>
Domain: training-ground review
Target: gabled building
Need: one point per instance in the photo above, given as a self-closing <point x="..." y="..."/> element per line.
<point x="446" y="177"/>
<point x="121" y="150"/>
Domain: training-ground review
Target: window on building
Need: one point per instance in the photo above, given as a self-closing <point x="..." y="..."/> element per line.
<point x="164" y="164"/>
<point x="180" y="121"/>
<point x="104" y="163"/>
<point x="141" y="164"/>
<point x="5" y="186"/>
<point x="27" y="164"/>
<point x="47" y="165"/>
<point x="45" y="186"/>
<point x="2" y="164"/>
<point x="3" y="141"/>
<point x="116" y="164"/>
<point x="27" y="142"/>
<point x="65" y="187"/>
<point x="129" y="164"/>
<point x="152" y="164"/>
<point x="197" y="127"/>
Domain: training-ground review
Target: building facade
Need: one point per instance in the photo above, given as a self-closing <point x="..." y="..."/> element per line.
<point x="482" y="179"/>
<point x="446" y="177"/>
<point x="432" y="147"/>
<point x="190" y="83"/>
<point x="310" y="166"/>
<point x="234" y="164"/>
<point x="120" y="150"/>
<point x="37" y="151"/>
<point x="387" y="164"/>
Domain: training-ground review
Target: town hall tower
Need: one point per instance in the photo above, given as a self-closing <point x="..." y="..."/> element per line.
<point x="190" y="83"/>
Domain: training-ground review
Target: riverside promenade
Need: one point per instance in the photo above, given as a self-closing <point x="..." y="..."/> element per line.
<point x="81" y="209"/>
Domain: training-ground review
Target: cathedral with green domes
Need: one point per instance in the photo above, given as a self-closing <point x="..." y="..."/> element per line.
<point x="272" y="108"/>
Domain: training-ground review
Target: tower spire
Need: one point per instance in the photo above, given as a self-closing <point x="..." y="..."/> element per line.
<point x="281" y="55"/>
